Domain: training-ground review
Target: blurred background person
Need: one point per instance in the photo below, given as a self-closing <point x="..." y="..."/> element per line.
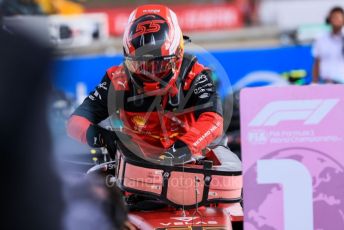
<point x="31" y="190"/>
<point x="328" y="50"/>
<point x="34" y="195"/>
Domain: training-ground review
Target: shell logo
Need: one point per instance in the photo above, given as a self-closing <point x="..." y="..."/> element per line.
<point x="139" y="121"/>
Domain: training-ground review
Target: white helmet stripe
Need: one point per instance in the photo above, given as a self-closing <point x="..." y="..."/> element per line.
<point x="132" y="16"/>
<point x="177" y="33"/>
<point x="126" y="44"/>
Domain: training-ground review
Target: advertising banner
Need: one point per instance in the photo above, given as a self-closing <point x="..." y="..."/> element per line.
<point x="78" y="30"/>
<point x="292" y="149"/>
<point x="60" y="30"/>
<point x="196" y="17"/>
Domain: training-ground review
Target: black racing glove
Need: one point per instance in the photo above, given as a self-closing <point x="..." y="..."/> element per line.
<point x="179" y="153"/>
<point x="99" y="137"/>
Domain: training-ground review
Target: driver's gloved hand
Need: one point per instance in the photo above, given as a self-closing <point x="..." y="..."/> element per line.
<point x="178" y="152"/>
<point x="99" y="137"/>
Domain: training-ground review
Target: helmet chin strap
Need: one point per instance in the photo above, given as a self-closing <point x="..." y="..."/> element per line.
<point x="157" y="89"/>
<point x="151" y="86"/>
<point x="154" y="89"/>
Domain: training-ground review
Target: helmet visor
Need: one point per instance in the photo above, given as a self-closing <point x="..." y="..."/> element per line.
<point x="153" y="69"/>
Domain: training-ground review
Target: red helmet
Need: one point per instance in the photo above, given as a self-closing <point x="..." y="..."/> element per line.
<point x="153" y="49"/>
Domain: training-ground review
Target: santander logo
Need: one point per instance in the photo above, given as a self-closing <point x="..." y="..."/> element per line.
<point x="188" y="221"/>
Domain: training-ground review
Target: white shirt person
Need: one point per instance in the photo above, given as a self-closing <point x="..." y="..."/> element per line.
<point x="328" y="51"/>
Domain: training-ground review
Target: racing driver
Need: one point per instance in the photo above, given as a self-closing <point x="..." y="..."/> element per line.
<point x="169" y="104"/>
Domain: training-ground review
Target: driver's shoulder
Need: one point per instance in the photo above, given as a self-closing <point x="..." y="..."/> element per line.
<point x="118" y="77"/>
<point x="115" y="72"/>
<point x="197" y="70"/>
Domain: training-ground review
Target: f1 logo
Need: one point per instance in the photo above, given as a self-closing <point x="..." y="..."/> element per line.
<point x="312" y="112"/>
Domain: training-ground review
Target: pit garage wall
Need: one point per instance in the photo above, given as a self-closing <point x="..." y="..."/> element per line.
<point x="252" y="67"/>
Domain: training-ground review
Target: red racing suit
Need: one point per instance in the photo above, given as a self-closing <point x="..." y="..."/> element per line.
<point x="193" y="115"/>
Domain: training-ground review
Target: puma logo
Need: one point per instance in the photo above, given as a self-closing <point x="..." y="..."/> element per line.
<point x="122" y="83"/>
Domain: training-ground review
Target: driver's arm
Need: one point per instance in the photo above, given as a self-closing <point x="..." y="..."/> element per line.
<point x="208" y="114"/>
<point x="92" y="111"/>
